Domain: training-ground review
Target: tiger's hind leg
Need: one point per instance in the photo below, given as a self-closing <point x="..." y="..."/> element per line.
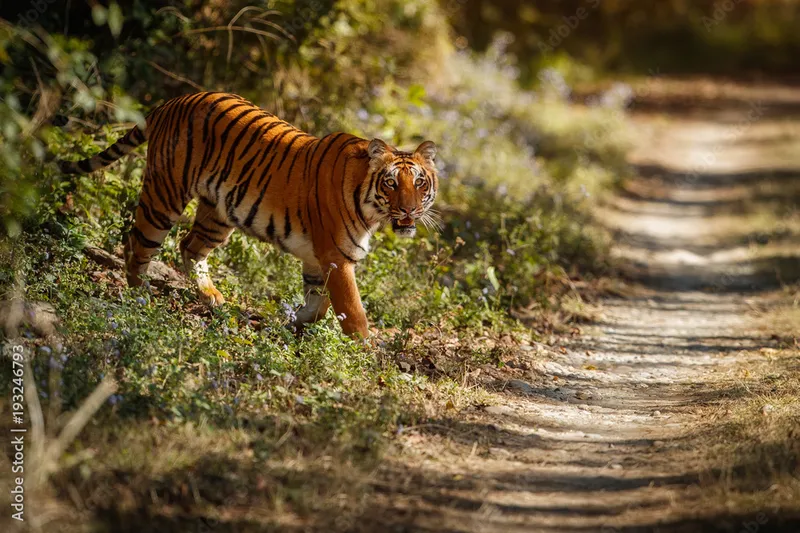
<point x="316" y="297"/>
<point x="208" y="232"/>
<point x="155" y="216"/>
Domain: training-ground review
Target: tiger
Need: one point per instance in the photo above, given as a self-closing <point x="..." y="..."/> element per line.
<point x="319" y="199"/>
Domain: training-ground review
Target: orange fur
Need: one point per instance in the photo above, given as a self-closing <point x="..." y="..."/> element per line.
<point x="318" y="198"/>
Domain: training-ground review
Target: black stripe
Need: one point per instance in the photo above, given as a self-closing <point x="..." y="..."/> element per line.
<point x="152" y="216"/>
<point x="294" y="159"/>
<point x="211" y="113"/>
<point x="229" y="159"/>
<point x="357" y="204"/>
<point x="316" y="281"/>
<point x="271" y="229"/>
<point x="300" y="218"/>
<point x="211" y="147"/>
<point x="147" y="243"/>
<point x="344" y="201"/>
<point x="85" y="165"/>
<point x="246" y="128"/>
<point x="258" y="133"/>
<point x="190" y="140"/>
<point x="199" y="225"/>
<point x="271" y="149"/>
<point x="344" y="254"/>
<point x="309" y="159"/>
<point x="287" y="225"/>
<point x="316" y="174"/>
<point x="288" y="150"/>
<point x="137" y="136"/>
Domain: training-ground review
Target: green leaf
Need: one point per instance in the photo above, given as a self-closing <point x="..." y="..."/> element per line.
<point x="115" y="19"/>
<point x="99" y="14"/>
<point x="492" y="278"/>
<point x="416" y="94"/>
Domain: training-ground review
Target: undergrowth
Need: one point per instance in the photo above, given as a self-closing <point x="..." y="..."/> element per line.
<point x="218" y="402"/>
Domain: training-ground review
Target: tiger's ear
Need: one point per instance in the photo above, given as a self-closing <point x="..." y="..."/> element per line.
<point x="428" y="152"/>
<point x="377" y="148"/>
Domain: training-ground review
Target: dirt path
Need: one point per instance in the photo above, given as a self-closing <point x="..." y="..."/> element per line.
<point x="605" y="433"/>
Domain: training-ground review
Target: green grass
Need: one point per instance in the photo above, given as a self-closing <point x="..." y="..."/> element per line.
<point x="226" y="414"/>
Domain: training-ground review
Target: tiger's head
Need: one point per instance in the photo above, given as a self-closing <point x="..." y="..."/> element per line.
<point x="404" y="186"/>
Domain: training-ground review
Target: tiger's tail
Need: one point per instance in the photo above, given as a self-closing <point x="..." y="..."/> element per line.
<point x="131" y="140"/>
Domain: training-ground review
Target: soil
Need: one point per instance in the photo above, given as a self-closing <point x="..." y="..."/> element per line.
<point x="606" y="432"/>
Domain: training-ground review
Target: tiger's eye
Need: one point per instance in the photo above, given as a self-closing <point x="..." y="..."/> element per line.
<point x="390" y="183"/>
<point x="420" y="182"/>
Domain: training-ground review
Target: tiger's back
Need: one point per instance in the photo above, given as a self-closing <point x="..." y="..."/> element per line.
<point x="313" y="197"/>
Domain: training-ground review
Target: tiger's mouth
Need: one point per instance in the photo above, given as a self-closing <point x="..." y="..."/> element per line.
<point x="405" y="227"/>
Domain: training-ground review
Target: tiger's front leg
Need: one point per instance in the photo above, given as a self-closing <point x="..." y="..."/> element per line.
<point x="315" y="295"/>
<point x="345" y="298"/>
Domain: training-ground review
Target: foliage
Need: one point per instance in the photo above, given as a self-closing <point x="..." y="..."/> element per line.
<point x="518" y="178"/>
<point x="731" y="38"/>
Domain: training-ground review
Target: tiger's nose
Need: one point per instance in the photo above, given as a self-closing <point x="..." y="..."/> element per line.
<point x="407" y="211"/>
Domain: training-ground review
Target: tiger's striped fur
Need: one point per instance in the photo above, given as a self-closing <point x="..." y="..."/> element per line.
<point x="320" y="199"/>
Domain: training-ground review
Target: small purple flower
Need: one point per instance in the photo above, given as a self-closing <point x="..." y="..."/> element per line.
<point x="259" y="377"/>
<point x="288" y="310"/>
<point x="341" y="316"/>
<point x="334" y="265"/>
<point x="46" y="350"/>
<point x="511" y="252"/>
<point x="256" y="366"/>
<point x="141" y="301"/>
<point x="114" y="325"/>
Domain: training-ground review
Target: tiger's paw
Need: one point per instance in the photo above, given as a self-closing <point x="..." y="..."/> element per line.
<point x="211" y="297"/>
